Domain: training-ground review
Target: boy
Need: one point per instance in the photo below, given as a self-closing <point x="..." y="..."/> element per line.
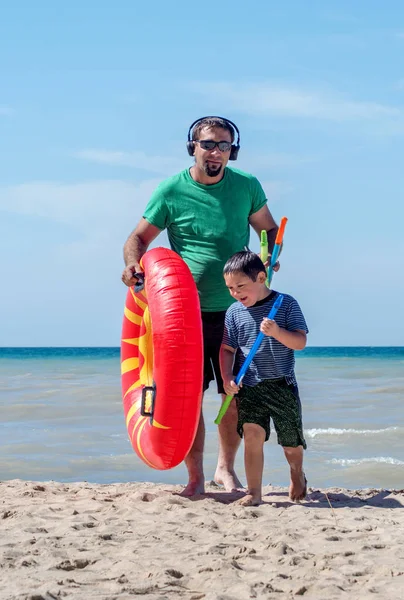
<point x="269" y="388"/>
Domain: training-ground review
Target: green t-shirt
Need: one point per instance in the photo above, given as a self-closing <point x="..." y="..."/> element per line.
<point x="206" y="224"/>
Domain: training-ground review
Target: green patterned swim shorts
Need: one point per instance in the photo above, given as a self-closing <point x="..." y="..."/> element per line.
<point x="272" y="399"/>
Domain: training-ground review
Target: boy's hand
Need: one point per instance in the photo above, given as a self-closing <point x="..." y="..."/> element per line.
<point x="230" y="387"/>
<point x="270" y="328"/>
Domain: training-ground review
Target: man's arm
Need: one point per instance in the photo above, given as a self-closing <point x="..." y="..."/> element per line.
<point x="262" y="219"/>
<point x="134" y="248"/>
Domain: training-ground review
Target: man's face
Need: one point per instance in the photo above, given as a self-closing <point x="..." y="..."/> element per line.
<point x="212" y="162"/>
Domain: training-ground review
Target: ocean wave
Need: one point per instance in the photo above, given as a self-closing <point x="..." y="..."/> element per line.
<point x="312" y="433"/>
<point x="347" y="462"/>
<point x="392" y="389"/>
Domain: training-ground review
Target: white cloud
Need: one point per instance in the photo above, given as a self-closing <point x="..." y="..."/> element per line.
<point x="99" y="216"/>
<point x="275" y="190"/>
<point x="338" y="17"/>
<point x="88" y="206"/>
<point x="95" y="209"/>
<point x="6" y="111"/>
<point x="72" y="271"/>
<point x="168" y="165"/>
<point x="272" y="160"/>
<point x="272" y="99"/>
<point x="164" y="165"/>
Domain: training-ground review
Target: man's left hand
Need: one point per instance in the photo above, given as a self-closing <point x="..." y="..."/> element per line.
<point x="277" y="265"/>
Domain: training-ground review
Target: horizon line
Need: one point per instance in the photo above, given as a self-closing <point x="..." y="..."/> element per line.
<point x="118" y="347"/>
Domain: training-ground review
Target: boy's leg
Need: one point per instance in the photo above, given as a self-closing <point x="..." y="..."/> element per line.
<point x="286" y="413"/>
<point x="298" y="483"/>
<point x="254" y="438"/>
<point x="254" y="425"/>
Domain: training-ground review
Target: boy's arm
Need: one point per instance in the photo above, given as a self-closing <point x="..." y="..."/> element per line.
<point x="295" y="340"/>
<point x="226" y="358"/>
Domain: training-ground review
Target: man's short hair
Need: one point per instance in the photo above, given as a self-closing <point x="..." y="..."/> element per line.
<point x="210" y="123"/>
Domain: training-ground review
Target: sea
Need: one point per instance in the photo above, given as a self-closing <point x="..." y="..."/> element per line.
<point x="62" y="419"/>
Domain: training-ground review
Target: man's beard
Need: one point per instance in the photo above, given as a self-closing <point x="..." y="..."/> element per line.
<point x="212" y="172"/>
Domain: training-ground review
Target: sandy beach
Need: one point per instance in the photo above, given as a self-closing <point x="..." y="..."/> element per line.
<point x="85" y="540"/>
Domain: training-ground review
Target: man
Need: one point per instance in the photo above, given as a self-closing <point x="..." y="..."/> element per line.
<point x="207" y="211"/>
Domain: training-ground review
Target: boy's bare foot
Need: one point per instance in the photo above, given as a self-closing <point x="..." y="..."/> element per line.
<point x="193" y="488"/>
<point x="250" y="500"/>
<point x="229" y="480"/>
<point x="298" y="486"/>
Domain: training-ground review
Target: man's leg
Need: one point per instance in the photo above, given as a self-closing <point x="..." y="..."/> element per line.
<point x="298" y="483"/>
<point x="194" y="463"/>
<point x="229" y="441"/>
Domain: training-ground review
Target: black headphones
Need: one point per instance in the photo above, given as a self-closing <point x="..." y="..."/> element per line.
<point x="234" y="147"/>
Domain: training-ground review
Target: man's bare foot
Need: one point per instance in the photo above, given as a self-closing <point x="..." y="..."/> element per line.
<point x="229" y="480"/>
<point x="193" y="488"/>
<point x="250" y="500"/>
<point x="298" y="486"/>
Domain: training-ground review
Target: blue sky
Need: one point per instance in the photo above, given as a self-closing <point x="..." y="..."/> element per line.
<point x="95" y="103"/>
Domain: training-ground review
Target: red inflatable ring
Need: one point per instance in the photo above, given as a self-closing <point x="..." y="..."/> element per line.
<point x="162" y="361"/>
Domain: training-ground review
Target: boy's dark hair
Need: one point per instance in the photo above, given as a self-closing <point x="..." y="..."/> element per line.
<point x="245" y="262"/>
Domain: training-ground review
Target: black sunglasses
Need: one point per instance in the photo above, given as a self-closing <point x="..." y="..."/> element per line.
<point x="210" y="144"/>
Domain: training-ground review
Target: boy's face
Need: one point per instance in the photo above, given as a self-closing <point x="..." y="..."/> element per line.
<point x="246" y="291"/>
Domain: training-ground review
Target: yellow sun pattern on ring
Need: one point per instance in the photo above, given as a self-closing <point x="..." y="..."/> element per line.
<point x="133" y="341"/>
<point x="132" y="317"/>
<point x="139" y="420"/>
<point x="133" y="387"/>
<point x="140" y="447"/>
<point x="133" y="409"/>
<point x="145" y="346"/>
<point x="138" y="301"/>
<point x="129" y="364"/>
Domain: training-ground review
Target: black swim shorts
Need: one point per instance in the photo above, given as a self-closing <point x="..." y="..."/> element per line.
<point x="213" y="326"/>
<point x="277" y="400"/>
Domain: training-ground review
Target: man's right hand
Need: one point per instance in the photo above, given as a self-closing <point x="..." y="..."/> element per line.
<point x="129" y="274"/>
